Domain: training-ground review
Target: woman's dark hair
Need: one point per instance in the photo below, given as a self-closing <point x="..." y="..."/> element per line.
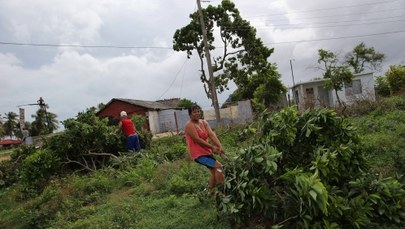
<point x="193" y="107"/>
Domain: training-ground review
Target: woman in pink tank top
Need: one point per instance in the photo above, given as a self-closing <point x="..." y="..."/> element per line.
<point x="198" y="133"/>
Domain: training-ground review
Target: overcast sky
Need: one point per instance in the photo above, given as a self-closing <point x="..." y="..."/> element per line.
<point x="71" y="79"/>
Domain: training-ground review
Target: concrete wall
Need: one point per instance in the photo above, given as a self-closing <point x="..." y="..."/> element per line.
<point x="153" y="117"/>
<point x="305" y="101"/>
<point x="175" y="120"/>
<point x="167" y="120"/>
<point x="239" y="114"/>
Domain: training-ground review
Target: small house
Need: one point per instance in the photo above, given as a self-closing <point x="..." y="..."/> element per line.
<point x="313" y="93"/>
<point x="140" y="107"/>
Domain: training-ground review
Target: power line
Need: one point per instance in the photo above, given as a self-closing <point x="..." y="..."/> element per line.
<point x="323" y="9"/>
<point x="371" y="21"/>
<point x="295" y="26"/>
<point x="341" y="15"/>
<point x="81" y="46"/>
<point x="177" y="74"/>
<point x="336" y="38"/>
<point x="131" y="47"/>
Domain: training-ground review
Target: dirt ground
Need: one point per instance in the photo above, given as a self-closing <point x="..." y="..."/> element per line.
<point x="166" y="134"/>
<point x="4" y="157"/>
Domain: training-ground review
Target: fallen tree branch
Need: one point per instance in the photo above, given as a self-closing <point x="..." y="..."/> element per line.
<point x="69" y="161"/>
<point x="100" y="154"/>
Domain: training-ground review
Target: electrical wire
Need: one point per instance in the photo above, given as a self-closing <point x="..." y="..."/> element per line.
<point x="323" y="9"/>
<point x="321" y="25"/>
<point x="81" y="46"/>
<point x="177" y="74"/>
<point x="336" y="38"/>
<point x="341" y="15"/>
<point x="275" y="43"/>
<point x="370" y="20"/>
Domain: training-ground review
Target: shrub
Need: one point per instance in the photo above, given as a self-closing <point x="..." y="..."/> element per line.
<point x="385" y="195"/>
<point x="38" y="168"/>
<point x="87" y="143"/>
<point x="145" y="136"/>
<point x="395" y="77"/>
<point x="10" y="170"/>
<point x="298" y="174"/>
<point x="382" y="86"/>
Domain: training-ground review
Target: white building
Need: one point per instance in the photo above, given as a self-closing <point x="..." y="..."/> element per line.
<point x="313" y="94"/>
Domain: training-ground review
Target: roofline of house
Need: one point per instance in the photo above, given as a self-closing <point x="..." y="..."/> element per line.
<point x="141" y="101"/>
<point x="322" y="80"/>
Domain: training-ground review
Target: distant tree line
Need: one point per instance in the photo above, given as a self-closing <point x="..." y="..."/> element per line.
<point x="45" y="122"/>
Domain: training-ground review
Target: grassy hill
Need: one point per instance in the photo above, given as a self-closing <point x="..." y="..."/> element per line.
<point x="162" y="188"/>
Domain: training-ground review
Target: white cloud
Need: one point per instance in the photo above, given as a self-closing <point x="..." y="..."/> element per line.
<point x="73" y="79"/>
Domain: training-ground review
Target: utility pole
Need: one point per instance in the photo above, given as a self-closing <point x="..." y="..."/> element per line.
<point x="293" y="81"/>
<point x="210" y="72"/>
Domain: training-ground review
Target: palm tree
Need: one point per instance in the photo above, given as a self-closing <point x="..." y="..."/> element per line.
<point x="44" y="123"/>
<point x="11" y="124"/>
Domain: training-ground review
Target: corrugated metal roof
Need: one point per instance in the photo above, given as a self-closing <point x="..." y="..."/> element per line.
<point x="10" y="142"/>
<point x="147" y="104"/>
<point x="173" y="102"/>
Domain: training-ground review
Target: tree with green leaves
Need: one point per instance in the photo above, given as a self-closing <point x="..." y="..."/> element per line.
<point x="363" y="57"/>
<point x="11" y="124"/>
<point x="395" y="77"/>
<point x="382" y="86"/>
<point x="243" y="58"/>
<point x="44" y="123"/>
<point x="100" y="106"/>
<point x="336" y="74"/>
<point x="185" y="103"/>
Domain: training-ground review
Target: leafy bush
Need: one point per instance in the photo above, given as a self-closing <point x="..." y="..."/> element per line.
<point x="382" y="86"/>
<point x="10" y="170"/>
<point x="385" y="195"/>
<point x="298" y="174"/>
<point x="37" y="168"/>
<point x="87" y="143"/>
<point x="145" y="136"/>
<point x="306" y="198"/>
<point x="395" y="77"/>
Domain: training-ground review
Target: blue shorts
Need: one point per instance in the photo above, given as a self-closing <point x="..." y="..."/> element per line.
<point x="208" y="161"/>
<point x="133" y="143"/>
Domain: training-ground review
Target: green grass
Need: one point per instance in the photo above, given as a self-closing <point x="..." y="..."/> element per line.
<point x="164" y="189"/>
<point x="5" y="151"/>
<point x="383" y="139"/>
<point x="5" y="154"/>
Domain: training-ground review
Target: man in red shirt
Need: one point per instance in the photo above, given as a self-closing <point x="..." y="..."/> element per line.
<point x="128" y="129"/>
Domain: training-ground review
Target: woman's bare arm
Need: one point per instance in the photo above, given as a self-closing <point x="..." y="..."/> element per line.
<point x="212" y="136"/>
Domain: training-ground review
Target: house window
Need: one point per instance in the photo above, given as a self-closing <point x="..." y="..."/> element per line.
<point x="309" y="92"/>
<point x="353" y="88"/>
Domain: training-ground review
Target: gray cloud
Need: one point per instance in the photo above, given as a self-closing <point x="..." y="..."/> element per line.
<point x="73" y="79"/>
